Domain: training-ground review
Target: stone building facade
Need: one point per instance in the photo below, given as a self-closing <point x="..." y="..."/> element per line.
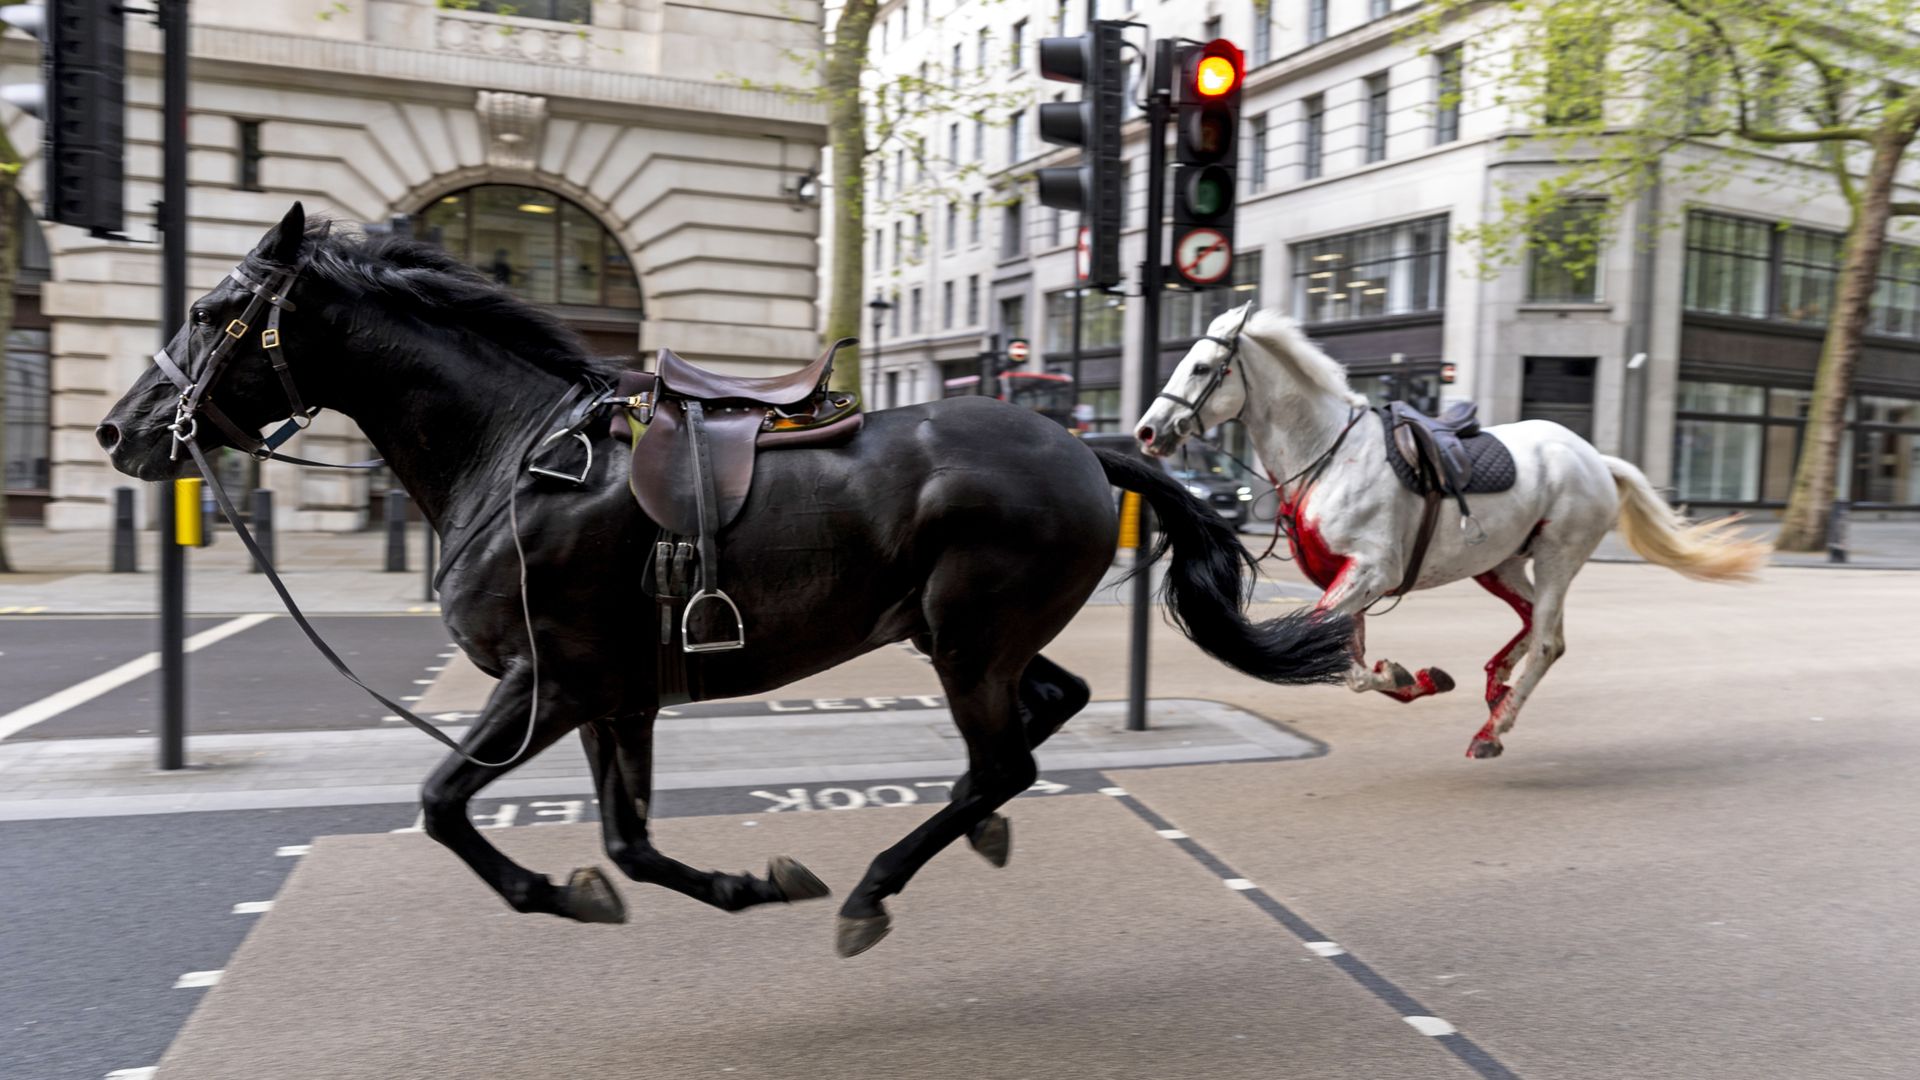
<point x="606" y="157"/>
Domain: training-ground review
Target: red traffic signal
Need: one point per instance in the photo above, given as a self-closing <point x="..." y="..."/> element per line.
<point x="1214" y="71"/>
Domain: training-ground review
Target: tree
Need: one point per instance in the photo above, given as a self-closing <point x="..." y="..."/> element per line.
<point x="1628" y="91"/>
<point x="868" y="115"/>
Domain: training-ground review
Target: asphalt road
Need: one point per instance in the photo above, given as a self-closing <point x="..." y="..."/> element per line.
<point x="265" y="678"/>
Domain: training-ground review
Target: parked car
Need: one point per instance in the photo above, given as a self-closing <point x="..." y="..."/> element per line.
<point x="1211" y="476"/>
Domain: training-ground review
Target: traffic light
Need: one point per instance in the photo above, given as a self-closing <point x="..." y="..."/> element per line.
<point x="81" y="103"/>
<point x="1206" y="105"/>
<point x="1091" y="188"/>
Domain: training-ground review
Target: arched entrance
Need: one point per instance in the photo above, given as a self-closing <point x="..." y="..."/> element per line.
<point x="547" y="249"/>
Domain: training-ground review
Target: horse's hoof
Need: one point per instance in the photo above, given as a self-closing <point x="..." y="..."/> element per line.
<point x="993" y="839"/>
<point x="1485" y="748"/>
<point x="1442" y="682"/>
<point x="795" y="881"/>
<point x="591" y="898"/>
<point x="858" y="934"/>
<point x="1402" y="678"/>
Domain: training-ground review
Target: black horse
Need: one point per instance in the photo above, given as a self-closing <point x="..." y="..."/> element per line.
<point x="972" y="528"/>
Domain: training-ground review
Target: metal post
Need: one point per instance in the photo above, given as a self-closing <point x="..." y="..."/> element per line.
<point x="427" y="560"/>
<point x="126" y="548"/>
<point x="396" y="514"/>
<point x="1158" y="101"/>
<point x="1079" y="292"/>
<point x="1837" y="532"/>
<point x="262" y="513"/>
<point x="173" y="302"/>
<point x="173" y="635"/>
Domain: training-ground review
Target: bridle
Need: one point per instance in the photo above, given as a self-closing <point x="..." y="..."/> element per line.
<point x="271" y="292"/>
<point x="1191" y="425"/>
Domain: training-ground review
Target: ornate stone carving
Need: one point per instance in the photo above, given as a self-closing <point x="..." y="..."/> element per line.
<point x="486" y="36"/>
<point x="513" y="124"/>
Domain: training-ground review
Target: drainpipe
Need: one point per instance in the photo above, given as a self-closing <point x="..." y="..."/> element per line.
<point x="1634" y="379"/>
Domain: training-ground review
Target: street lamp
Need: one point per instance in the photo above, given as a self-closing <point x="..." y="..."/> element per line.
<point x="879" y="306"/>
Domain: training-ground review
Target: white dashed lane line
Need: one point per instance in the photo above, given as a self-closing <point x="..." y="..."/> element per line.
<point x="193" y="980"/>
<point x="1410" y="1011"/>
<point x="293" y="850"/>
<point x="252" y="907"/>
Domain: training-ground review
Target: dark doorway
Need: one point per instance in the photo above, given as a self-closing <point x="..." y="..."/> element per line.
<point x="1560" y="389"/>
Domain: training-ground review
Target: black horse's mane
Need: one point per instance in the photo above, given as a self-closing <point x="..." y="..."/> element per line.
<point x="429" y="283"/>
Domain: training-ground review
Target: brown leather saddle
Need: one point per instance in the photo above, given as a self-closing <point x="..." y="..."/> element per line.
<point x="695" y="436"/>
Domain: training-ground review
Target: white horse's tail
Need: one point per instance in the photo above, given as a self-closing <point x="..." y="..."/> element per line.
<point x="1700" y="550"/>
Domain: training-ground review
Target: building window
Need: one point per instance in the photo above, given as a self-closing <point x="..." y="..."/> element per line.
<point x="1103" y="321"/>
<point x="1013" y="231"/>
<point x="1809" y="268"/>
<point x="979" y="137"/>
<point x="1257" y="154"/>
<point x="1378" y="9"/>
<point x="1013" y="318"/>
<point x="897" y="311"/>
<point x="1896" y="301"/>
<point x="1017" y="46"/>
<point x="919" y="237"/>
<point x="1262" y="33"/>
<point x="1739" y="444"/>
<point x="879" y="248"/>
<point x="1576" y="71"/>
<point x="893" y="390"/>
<point x="1446" y="102"/>
<point x="1313" y="144"/>
<point x="959" y="65"/>
<point x="973" y="299"/>
<point x="1392" y="270"/>
<point x="1186" y="313"/>
<point x="541" y="246"/>
<point x="29" y="446"/>
<point x="248" y="178"/>
<point x="1053" y="227"/>
<point x="569" y="11"/>
<point x="980" y="46"/>
<point x="973" y="221"/>
<point x="1316" y="21"/>
<point x="1015" y="123"/>
<point x="914" y="323"/>
<point x="1727" y="265"/>
<point x="1060" y="20"/>
<point x="946" y="305"/>
<point x="1210" y="29"/>
<point x="899" y="243"/>
<point x="953" y="224"/>
<point x="1563" y="253"/>
<point x="880" y="180"/>
<point x="953" y="143"/>
<point x="1377" y="117"/>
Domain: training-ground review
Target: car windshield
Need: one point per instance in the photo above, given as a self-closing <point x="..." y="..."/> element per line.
<point x="1192" y="462"/>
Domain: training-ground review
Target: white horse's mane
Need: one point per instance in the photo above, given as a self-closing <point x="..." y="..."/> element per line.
<point x="1282" y="336"/>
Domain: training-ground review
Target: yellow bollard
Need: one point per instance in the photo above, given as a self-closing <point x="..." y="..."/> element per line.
<point x="1129" y="520"/>
<point x="188" y="528"/>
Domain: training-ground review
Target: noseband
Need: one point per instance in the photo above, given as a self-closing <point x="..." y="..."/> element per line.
<point x="1190" y="424"/>
<point x="195" y="394"/>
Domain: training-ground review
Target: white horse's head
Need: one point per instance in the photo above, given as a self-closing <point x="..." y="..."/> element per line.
<point x="1244" y="352"/>
<point x="1207" y="388"/>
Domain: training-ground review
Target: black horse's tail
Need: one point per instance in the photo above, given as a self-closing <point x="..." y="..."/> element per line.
<point x="1209" y="584"/>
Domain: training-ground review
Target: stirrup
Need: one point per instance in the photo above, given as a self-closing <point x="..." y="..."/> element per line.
<point x="555" y="474"/>
<point x="739" y="639"/>
<point x="1474" y="534"/>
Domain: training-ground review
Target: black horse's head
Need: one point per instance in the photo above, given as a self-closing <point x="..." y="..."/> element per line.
<point x="138" y="433"/>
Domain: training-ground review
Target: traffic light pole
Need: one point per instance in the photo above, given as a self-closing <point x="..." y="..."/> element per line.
<point x="173" y="302"/>
<point x="1148" y="377"/>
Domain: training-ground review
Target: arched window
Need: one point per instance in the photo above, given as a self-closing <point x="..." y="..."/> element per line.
<point x="541" y="246"/>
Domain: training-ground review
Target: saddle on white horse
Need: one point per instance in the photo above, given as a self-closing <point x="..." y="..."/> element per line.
<point x="1442" y="457"/>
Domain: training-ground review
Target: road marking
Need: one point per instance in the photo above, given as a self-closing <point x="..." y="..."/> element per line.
<point x="422" y="682"/>
<point x="134" y="1074"/>
<point x="82" y="692"/>
<point x="252" y="907"/>
<point x="193" y="980"/>
<point x="1470" y="1053"/>
<point x="1431" y="1025"/>
<point x="415" y="697"/>
<point x="442" y="667"/>
<point x="1171" y="834"/>
<point x="293" y="849"/>
<point x="1116" y="792"/>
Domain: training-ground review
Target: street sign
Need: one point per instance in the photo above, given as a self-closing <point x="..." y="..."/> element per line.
<point x="1083" y="255"/>
<point x="1203" y="257"/>
<point x="1018" y="351"/>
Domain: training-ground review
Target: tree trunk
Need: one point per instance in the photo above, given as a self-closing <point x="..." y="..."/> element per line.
<point x="1804" y="526"/>
<point x="847" y="128"/>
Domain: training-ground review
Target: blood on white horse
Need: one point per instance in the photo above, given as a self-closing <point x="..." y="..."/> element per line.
<point x="1353" y="525"/>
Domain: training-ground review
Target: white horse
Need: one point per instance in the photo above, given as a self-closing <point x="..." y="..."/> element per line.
<point x="1354" y="527"/>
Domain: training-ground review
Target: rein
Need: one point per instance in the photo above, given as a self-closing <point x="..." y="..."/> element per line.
<point x="195" y="400"/>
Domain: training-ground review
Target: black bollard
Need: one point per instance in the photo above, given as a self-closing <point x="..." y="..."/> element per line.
<point x="262" y="514"/>
<point x="396" y="512"/>
<point x="126" y="550"/>
<point x="426" y="527"/>
<point x="1837" y="532"/>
